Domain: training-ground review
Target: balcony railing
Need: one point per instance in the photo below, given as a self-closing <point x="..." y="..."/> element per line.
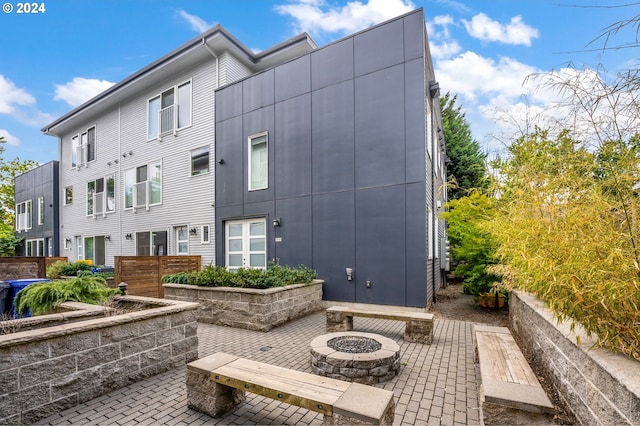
<point x="167" y="120"/>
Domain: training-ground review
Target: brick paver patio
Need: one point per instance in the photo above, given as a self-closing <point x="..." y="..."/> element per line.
<point x="437" y="384"/>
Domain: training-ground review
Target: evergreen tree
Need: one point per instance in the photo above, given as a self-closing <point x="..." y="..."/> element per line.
<point x="467" y="168"/>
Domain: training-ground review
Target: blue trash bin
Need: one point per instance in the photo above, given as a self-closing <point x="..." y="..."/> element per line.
<point x="16" y="286"/>
<point x="5" y="294"/>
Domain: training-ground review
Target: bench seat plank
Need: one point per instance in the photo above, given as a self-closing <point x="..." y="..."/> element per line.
<point x="306" y="390"/>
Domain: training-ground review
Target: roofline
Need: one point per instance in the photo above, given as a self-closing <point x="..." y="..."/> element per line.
<point x="193" y="43"/>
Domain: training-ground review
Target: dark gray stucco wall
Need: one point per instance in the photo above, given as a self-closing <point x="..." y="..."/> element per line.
<point x="40" y="182"/>
<point x="347" y="162"/>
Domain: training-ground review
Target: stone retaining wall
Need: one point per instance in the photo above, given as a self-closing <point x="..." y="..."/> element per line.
<point x="48" y="370"/>
<point x="250" y="309"/>
<point x="598" y="386"/>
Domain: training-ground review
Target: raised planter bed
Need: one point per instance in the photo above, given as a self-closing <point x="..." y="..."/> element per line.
<point x="64" y="363"/>
<point x="250" y="309"/>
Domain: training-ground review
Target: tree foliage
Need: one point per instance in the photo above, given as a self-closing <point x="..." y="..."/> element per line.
<point x="467" y="168"/>
<point x="8" y="172"/>
<point x="567" y="226"/>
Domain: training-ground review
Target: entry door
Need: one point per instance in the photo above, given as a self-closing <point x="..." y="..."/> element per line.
<point x="246" y="244"/>
<point x="182" y="240"/>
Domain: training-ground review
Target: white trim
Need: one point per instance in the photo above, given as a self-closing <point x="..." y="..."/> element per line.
<point x="245" y="239"/>
<point x="202" y="233"/>
<point x="41" y="210"/>
<point x="176" y="111"/>
<point x="208" y="161"/>
<point x="264" y="134"/>
<point x="64" y="195"/>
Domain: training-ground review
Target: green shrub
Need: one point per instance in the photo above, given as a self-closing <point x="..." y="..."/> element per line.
<point x="54" y="271"/>
<point x="66" y="269"/>
<point x="217" y="276"/>
<point x="42" y="298"/>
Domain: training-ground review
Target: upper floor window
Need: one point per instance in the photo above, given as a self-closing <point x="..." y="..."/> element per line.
<point x="143" y="186"/>
<point x="169" y="111"/>
<point x="101" y="196"/>
<point x="68" y="195"/>
<point x="40" y="210"/>
<point x="83" y="147"/>
<point x="23" y="216"/>
<point x="200" y="161"/>
<point x="258" y="162"/>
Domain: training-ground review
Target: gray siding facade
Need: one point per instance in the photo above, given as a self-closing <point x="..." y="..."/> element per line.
<point x="354" y="164"/>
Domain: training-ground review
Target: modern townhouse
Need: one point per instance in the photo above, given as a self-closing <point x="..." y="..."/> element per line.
<point x="36" y="215"/>
<point x="330" y="157"/>
<point x="135" y="161"/>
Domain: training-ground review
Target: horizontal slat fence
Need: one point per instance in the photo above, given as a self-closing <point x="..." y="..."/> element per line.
<point x="143" y="274"/>
<point x="20" y="267"/>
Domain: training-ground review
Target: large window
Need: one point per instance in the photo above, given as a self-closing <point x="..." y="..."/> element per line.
<point x="83" y="147"/>
<point x="95" y="249"/>
<point x="143" y="186"/>
<point x="169" y="111"/>
<point x="246" y="244"/>
<point x="200" y="161"/>
<point x="152" y="243"/>
<point x="258" y="162"/>
<point x="23" y="216"/>
<point x="101" y="197"/>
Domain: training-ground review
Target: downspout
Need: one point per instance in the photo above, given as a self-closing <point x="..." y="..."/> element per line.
<point x="204" y="43"/>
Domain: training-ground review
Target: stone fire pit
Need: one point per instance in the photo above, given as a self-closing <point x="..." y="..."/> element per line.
<point x="355" y="357"/>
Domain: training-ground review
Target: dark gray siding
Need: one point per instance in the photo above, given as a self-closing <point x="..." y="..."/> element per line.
<point x="348" y="164"/>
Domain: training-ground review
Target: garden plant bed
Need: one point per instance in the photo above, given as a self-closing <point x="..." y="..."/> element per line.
<point x="250" y="309"/>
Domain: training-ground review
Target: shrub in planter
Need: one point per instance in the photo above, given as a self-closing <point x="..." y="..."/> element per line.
<point x="42" y="298"/>
<point x="217" y="276"/>
<point x="66" y="269"/>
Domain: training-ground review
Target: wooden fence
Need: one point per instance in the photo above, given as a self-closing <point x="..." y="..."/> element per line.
<point x="19" y="267"/>
<point x="143" y="274"/>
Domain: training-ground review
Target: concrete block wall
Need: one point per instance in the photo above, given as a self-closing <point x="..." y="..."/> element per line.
<point x="598" y="386"/>
<point x="51" y="369"/>
<point x="250" y="309"/>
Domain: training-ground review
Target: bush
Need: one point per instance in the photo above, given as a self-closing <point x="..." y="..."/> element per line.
<point x="217" y="276"/>
<point x="42" y="298"/>
<point x="66" y="269"/>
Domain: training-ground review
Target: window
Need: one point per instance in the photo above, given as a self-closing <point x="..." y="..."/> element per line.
<point x="68" y="195"/>
<point x="204" y="235"/>
<point x="258" y="162"/>
<point x="83" y="147"/>
<point x="143" y="186"/>
<point x="101" y="196"/>
<point x="35" y="247"/>
<point x="151" y="243"/>
<point x="23" y="215"/>
<point x="80" y="251"/>
<point x="95" y="249"/>
<point x="169" y="111"/>
<point x="50" y="247"/>
<point x="200" y="161"/>
<point x="182" y="240"/>
<point x="40" y="210"/>
<point x="246" y="244"/>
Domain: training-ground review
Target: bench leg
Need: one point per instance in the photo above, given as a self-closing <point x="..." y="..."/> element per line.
<point x="337" y="321"/>
<point x="210" y="397"/>
<point x="419" y="332"/>
<point x="345" y="419"/>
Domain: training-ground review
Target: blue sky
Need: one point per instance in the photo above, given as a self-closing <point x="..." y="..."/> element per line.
<point x="483" y="50"/>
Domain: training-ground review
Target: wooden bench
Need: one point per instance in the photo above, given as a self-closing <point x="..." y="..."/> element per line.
<point x="217" y="384"/>
<point x="510" y="392"/>
<point x="418" y="329"/>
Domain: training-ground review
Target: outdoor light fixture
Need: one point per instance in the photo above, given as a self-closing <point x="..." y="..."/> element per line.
<point x="67" y="240"/>
<point x="107" y="237"/>
<point x="349" y="272"/>
<point x="221" y="161"/>
<point x="193" y="231"/>
<point x="128" y="237"/>
<point x="276" y="221"/>
<point x="434" y="89"/>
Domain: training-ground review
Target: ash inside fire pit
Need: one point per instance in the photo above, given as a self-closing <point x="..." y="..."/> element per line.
<point x="354" y="344"/>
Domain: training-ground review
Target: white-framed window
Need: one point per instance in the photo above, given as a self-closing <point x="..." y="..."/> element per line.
<point x="95" y="249"/>
<point x="50" y="247"/>
<point x="143" y="186"/>
<point x="68" y="195"/>
<point x="40" y="210"/>
<point x="258" y="161"/>
<point x="101" y="196"/>
<point x="23" y="216"/>
<point x="205" y="236"/>
<point x="83" y="147"/>
<point x="35" y="247"/>
<point x="79" y="248"/>
<point x="169" y="111"/>
<point x="200" y="161"/>
<point x="151" y="243"/>
<point x="246" y="244"/>
<point x="430" y="234"/>
<point x="182" y="240"/>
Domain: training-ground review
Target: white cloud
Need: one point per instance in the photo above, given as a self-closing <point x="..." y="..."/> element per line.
<point x="197" y="24"/>
<point x="12" y="96"/>
<point x="515" y="32"/>
<point x="80" y="90"/>
<point x="9" y="138"/>
<point x="441" y="44"/>
<point x="317" y="16"/>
